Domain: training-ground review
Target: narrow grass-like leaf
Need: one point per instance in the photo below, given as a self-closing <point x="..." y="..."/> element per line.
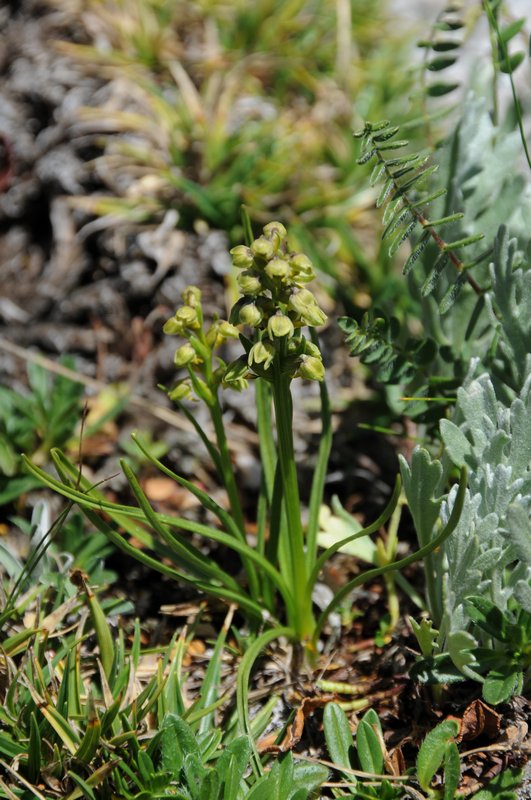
<point x="243" y="683"/>
<point x="375" y="526"/>
<point x="86" y="789"/>
<point x="34" y="750"/>
<point x="428" y="548"/>
<point x="320" y="470"/>
<point x="92" y="736"/>
<point x="60" y="725"/>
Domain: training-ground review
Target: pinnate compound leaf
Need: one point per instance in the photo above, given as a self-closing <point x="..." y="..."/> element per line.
<point x="433" y="750"/>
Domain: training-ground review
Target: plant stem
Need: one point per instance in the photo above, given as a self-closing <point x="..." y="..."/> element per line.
<point x="229" y="482"/>
<point x="304" y="622"/>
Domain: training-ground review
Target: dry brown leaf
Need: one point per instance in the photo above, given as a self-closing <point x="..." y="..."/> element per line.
<point x="478" y="718"/>
<point x="294" y="733"/>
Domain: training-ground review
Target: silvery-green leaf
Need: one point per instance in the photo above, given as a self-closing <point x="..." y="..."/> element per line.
<point x="456" y="443"/>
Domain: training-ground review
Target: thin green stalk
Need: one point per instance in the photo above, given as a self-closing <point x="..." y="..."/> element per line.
<point x="304" y="621"/>
<point x="388" y="553"/>
<point x="243" y="684"/>
<point x="319" y="476"/>
<point x="422" y="552"/>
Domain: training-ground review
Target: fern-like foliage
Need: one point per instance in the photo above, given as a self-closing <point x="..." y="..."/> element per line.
<point x="403" y="196"/>
<point x="375" y="341"/>
<point x="441" y="48"/>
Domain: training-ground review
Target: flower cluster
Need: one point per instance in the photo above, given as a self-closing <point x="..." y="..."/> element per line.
<point x="276" y="304"/>
<point x="198" y="351"/>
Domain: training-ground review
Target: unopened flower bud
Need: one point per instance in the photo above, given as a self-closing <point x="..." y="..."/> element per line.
<point x="300" y="300"/>
<point x="184" y="355"/>
<point x="227" y="330"/>
<point x="249" y="282"/>
<point x="251" y="315"/>
<point x="311" y="368"/>
<point x="311" y="349"/>
<point x="280" y="325"/>
<point x="242" y="256"/>
<point x="181" y="391"/>
<point x="263" y="248"/>
<point x="187" y="316"/>
<point x="236" y="370"/>
<point x="173" y="327"/>
<point x="261" y="353"/>
<point x="302" y="268"/>
<point x="192" y="296"/>
<point x="277" y="268"/>
<point x="314" y="316"/>
<point x="275" y="229"/>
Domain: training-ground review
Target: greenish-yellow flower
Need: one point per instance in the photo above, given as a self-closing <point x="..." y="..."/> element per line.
<point x="187" y="316"/>
<point x="181" y="391"/>
<point x="250" y="314"/>
<point x="184" y="355"/>
<point x="261" y="353"/>
<point x="280" y="325"/>
<point x="192" y="296"/>
<point x="311" y="368"/>
<point x="249" y="282"/>
<point x="173" y="327"/>
<point x="242" y="256"/>
<point x="302" y="268"/>
<point x="263" y="248"/>
<point x="277" y="268"/>
<point x="275" y="229"/>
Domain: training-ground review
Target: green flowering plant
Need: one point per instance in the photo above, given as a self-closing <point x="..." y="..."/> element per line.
<point x="274" y="319"/>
